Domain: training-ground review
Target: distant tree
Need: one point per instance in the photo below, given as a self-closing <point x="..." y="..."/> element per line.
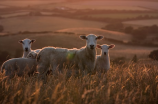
<point x="154" y="55"/>
<point x="140" y="33"/>
<point x="128" y="29"/>
<point x="153" y="29"/>
<point x="1" y="28"/>
<point x="115" y="26"/>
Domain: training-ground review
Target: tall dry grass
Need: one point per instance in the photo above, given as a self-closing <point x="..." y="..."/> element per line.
<point x="130" y="84"/>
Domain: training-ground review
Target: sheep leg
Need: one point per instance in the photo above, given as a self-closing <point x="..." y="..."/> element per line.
<point x="9" y="73"/>
<point x="42" y="71"/>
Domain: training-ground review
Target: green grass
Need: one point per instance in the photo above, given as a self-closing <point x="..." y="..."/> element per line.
<point x="133" y="84"/>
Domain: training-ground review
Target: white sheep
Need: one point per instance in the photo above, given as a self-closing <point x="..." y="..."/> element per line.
<point x="26" y="44"/>
<point x="32" y="55"/>
<point x="103" y="60"/>
<point x="83" y="59"/>
<point x="19" y="66"/>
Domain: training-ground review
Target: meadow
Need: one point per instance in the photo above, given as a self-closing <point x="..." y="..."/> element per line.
<point x="127" y="81"/>
<point x="45" y="23"/>
<point x="105" y="5"/>
<point x="14" y="14"/>
<point x="128" y="84"/>
<point x="123" y="15"/>
<point x="67" y="40"/>
<point x="106" y="33"/>
<point x="142" y="22"/>
<point x="18" y="3"/>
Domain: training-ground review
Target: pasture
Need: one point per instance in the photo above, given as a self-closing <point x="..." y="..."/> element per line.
<point x="93" y="7"/>
<point x="14" y="14"/>
<point x="105" y="5"/>
<point x="123" y="15"/>
<point x="70" y="41"/>
<point x="126" y="82"/>
<point x="106" y="33"/>
<point x="18" y="3"/>
<point x="132" y="83"/>
<point x="143" y="4"/>
<point x="44" y="23"/>
<point x="142" y="22"/>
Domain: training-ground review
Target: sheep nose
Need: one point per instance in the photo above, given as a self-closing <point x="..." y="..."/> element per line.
<point x="92" y="46"/>
<point x="104" y="53"/>
<point x="26" y="49"/>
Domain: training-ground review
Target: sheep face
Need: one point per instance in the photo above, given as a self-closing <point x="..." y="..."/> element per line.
<point x="105" y="48"/>
<point x="26" y="44"/>
<point x="32" y="55"/>
<point x="91" y="40"/>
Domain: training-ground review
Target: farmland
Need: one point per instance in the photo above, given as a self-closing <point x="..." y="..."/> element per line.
<point x="123" y="15"/>
<point x="71" y="41"/>
<point x="18" y="3"/>
<point x="37" y="23"/>
<point x="106" y="5"/>
<point x="108" y="34"/>
<point x="143" y="22"/>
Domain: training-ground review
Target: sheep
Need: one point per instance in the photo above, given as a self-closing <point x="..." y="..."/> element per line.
<point x="19" y="66"/>
<point x="32" y="55"/>
<point x="83" y="59"/>
<point x="103" y="60"/>
<point x="26" y="44"/>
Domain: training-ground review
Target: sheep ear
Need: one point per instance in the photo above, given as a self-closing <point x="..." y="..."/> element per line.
<point x="99" y="46"/>
<point x="32" y="41"/>
<point x="99" y="37"/>
<point x="111" y="46"/>
<point x="20" y="41"/>
<point x="83" y="37"/>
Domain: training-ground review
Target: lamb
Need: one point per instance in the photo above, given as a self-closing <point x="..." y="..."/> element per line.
<point x="83" y="59"/>
<point x="32" y="55"/>
<point x="103" y="60"/>
<point x="19" y="66"/>
<point x="26" y="44"/>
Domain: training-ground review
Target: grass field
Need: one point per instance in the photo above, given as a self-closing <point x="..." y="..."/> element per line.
<point x="25" y="3"/>
<point x="2" y="6"/>
<point x="96" y="7"/>
<point x="123" y="15"/>
<point x="142" y="4"/>
<point x="38" y="23"/>
<point x="133" y="83"/>
<point x="70" y="41"/>
<point x="106" y="5"/>
<point x="14" y="14"/>
<point x="142" y="22"/>
<point x="108" y="34"/>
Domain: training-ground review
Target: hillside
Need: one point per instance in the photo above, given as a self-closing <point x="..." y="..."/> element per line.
<point x="45" y="23"/>
<point x="106" y="33"/>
